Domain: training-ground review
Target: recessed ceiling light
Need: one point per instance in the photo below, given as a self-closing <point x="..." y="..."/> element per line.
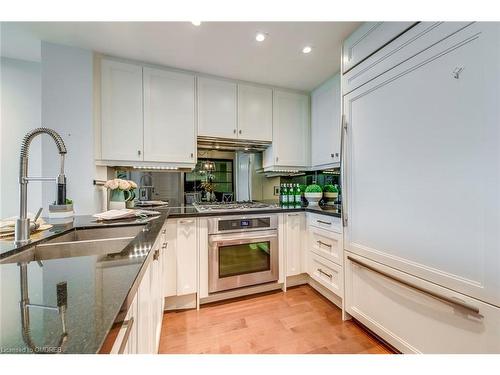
<point x="307" y="49"/>
<point x="196" y="23"/>
<point x="260" y="37"/>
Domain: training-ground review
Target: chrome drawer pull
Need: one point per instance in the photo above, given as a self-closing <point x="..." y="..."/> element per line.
<point x="324" y="244"/>
<point x="156" y="255"/>
<point x="432" y="294"/>
<point x="128" y="323"/>
<point x="323" y="222"/>
<point x="324" y="273"/>
<point x="164" y="246"/>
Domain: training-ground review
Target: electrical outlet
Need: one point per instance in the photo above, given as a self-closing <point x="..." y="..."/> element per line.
<point x="276" y="190"/>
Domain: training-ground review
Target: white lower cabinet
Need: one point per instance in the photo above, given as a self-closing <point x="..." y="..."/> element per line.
<point x="141" y="329"/>
<point x="294" y="243"/>
<point x="126" y="340"/>
<point x="327" y="244"/>
<point x="326" y="273"/>
<point x="145" y="340"/>
<point x="181" y="261"/>
<point x="416" y="316"/>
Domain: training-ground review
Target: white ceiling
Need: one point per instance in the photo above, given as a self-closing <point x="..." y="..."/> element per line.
<point x="227" y="49"/>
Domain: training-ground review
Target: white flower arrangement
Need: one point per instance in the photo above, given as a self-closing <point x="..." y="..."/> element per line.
<point x="118" y="183"/>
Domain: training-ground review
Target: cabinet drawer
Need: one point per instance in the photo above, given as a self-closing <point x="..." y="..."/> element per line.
<point x="330" y="223"/>
<point x="326" y="273"/>
<point x="406" y="311"/>
<point x="327" y="244"/>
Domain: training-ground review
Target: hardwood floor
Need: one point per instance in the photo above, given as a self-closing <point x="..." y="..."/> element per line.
<point x="299" y="321"/>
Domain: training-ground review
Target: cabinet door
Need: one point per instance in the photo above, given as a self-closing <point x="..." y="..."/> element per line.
<point x="325" y="123"/>
<point x="294" y="241"/>
<point x="170" y="260"/>
<point x="156" y="305"/>
<point x="399" y="308"/>
<point x="414" y="136"/>
<point x="368" y="38"/>
<point x="127" y="336"/>
<point x="216" y="108"/>
<point x="186" y="256"/>
<point x="121" y="111"/>
<point x="255" y="113"/>
<point x="169" y="116"/>
<point x="290" y="129"/>
<point x="145" y="336"/>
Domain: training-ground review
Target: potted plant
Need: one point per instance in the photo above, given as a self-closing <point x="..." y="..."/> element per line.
<point x="313" y="194"/>
<point x="331" y="192"/>
<point x="122" y="192"/>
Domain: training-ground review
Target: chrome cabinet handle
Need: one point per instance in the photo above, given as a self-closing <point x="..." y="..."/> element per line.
<point x="332" y="155"/>
<point x="139" y="152"/>
<point x="186" y="221"/>
<point x="432" y="294"/>
<point x="240" y="131"/>
<point x="324" y="273"/>
<point x="164" y="231"/>
<point x="324" y="244"/>
<point x="164" y="246"/>
<point x="128" y="323"/>
<point x="234" y="131"/>
<point x="156" y="255"/>
<point x="276" y="158"/>
<point x="323" y="222"/>
<point x="192" y="155"/>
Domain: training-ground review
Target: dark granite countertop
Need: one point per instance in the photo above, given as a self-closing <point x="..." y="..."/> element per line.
<point x="190" y="211"/>
<point x="99" y="290"/>
<point x="99" y="287"/>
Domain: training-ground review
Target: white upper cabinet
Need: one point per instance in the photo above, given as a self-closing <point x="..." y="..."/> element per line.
<point x="291" y="131"/>
<point x="325" y="124"/>
<point x="369" y="37"/>
<point x="121" y="111"/>
<point x="255" y="113"/>
<point x="169" y="116"/>
<point x="217" y="108"/>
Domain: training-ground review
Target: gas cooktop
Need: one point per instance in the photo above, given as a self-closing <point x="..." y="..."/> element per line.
<point x="232" y="206"/>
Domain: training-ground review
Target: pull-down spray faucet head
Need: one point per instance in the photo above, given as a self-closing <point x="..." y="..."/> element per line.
<point x="22" y="232"/>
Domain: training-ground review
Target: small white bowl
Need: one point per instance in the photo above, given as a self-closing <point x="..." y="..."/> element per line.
<point x="313" y="198"/>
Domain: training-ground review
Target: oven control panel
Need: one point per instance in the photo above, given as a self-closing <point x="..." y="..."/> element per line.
<point x="242" y="224"/>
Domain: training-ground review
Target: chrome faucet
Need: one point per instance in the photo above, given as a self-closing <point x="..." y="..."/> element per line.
<point x="22" y="233"/>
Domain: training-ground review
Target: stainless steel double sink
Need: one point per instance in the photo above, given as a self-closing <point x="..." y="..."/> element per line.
<point x="79" y="242"/>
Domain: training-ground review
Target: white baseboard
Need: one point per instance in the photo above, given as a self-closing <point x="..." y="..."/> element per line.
<point x="187" y="301"/>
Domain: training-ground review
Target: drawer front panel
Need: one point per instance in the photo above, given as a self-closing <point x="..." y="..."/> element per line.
<point x="411" y="319"/>
<point x="330" y="223"/>
<point x="326" y="273"/>
<point x="327" y="244"/>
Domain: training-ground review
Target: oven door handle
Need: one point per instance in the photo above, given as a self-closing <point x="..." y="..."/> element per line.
<point x="226" y="239"/>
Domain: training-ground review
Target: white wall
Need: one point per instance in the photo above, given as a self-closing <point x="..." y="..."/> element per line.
<point x="20" y="109"/>
<point x="67" y="107"/>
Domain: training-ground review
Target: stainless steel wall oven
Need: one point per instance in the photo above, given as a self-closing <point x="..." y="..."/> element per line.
<point x="243" y="251"/>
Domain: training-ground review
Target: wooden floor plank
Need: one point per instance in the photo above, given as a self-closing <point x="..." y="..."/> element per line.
<point x="300" y="321"/>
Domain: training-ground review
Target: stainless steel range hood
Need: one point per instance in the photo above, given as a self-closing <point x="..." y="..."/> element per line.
<point x="224" y="144"/>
